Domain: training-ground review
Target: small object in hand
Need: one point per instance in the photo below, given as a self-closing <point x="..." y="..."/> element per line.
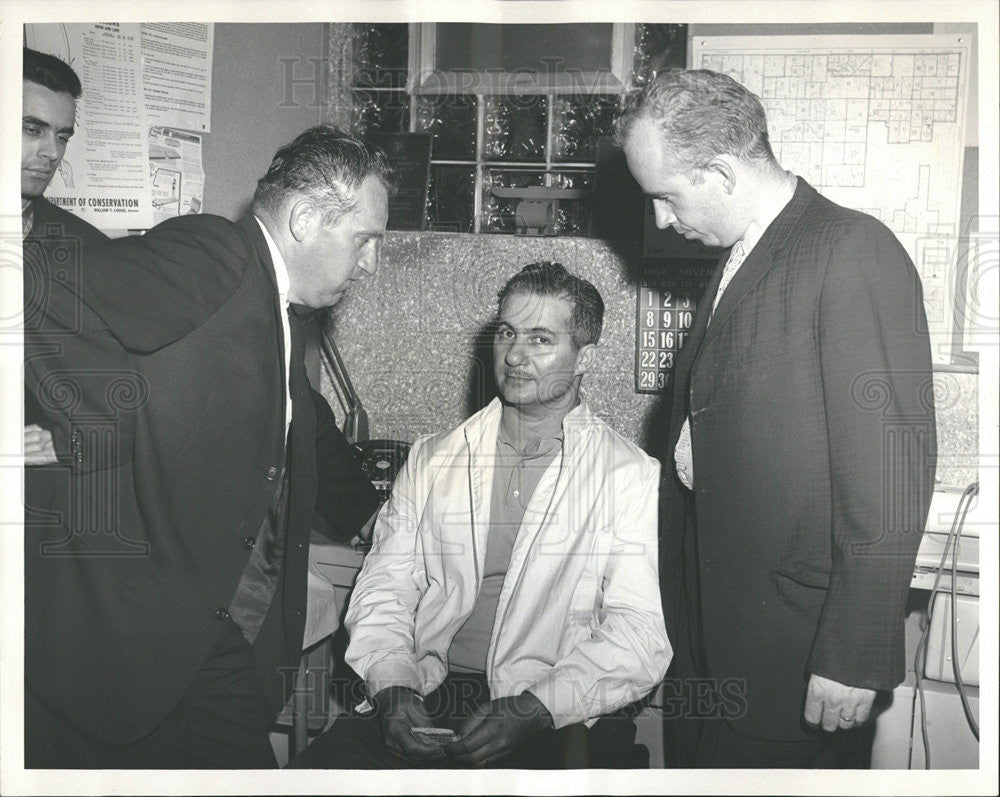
<point x="439" y="736"/>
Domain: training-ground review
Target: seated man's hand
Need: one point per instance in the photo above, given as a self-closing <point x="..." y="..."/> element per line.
<point x="38" y="447"/>
<point x="496" y="729"/>
<point x="399" y="710"/>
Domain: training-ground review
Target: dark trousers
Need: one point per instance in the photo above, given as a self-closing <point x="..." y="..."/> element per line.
<point x="355" y="742"/>
<point x="720" y="747"/>
<point x="221" y="722"/>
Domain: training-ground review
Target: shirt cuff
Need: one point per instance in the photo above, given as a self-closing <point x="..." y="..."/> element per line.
<point x="392" y="673"/>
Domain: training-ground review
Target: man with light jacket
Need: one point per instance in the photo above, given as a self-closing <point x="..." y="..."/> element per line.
<point x="508" y="612"/>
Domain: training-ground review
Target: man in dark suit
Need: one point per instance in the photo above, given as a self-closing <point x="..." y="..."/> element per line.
<point x="53" y="238"/>
<point x="167" y="635"/>
<point x="802" y="440"/>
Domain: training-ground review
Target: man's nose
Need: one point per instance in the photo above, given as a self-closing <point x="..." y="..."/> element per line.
<point x="664" y="215"/>
<point x="49" y="148"/>
<point x="514" y="355"/>
<point x="368" y="262"/>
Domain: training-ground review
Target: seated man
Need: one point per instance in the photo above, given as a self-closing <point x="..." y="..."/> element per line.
<point x="511" y="594"/>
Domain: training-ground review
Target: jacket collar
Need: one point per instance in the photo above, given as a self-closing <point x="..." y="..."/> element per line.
<point x="251" y="231"/>
<point x="485" y="424"/>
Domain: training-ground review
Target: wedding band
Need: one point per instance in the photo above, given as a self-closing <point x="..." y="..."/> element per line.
<point x="846" y="718"/>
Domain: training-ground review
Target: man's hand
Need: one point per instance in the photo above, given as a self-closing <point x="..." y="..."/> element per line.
<point x="38" y="448"/>
<point x="399" y="710"/>
<point x="834" y="705"/>
<point x="497" y="728"/>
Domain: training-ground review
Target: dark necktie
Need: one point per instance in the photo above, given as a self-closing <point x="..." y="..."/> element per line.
<point x="260" y="578"/>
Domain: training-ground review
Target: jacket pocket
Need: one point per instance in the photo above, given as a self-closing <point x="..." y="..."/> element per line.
<point x="806" y="574"/>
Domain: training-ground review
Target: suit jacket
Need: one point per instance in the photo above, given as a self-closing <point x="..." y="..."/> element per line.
<point x="113" y="639"/>
<point x="53" y="249"/>
<point x="813" y="443"/>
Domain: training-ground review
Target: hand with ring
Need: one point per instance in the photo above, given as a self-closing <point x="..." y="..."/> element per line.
<point x="832" y="705"/>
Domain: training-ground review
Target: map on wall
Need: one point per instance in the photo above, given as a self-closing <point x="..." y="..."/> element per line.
<point x="875" y="123"/>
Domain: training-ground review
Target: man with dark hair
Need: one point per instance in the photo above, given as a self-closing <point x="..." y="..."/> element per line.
<point x="170" y="635"/>
<point x="801" y="459"/>
<point x="53" y="237"/>
<point x="509" y="603"/>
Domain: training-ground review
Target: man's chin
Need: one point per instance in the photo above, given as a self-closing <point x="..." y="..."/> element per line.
<point x="514" y="393"/>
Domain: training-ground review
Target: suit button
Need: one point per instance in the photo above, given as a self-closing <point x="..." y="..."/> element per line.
<point x="222" y="614"/>
<point x="249" y="542"/>
<point x="272" y="473"/>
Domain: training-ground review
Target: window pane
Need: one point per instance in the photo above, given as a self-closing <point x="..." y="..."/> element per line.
<point x="515" y="128"/>
<point x="451" y="197"/>
<point x="452" y="121"/>
<point x="380" y="112"/>
<point x="579" y="121"/>
<point x="542" y="49"/>
<point x="380" y="55"/>
<point x="659" y="47"/>
<point x="500" y="214"/>
<point x="573" y="215"/>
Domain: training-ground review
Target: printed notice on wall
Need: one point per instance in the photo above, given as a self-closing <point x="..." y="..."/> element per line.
<point x="177" y="74"/>
<point x="175" y="172"/>
<point x="104" y="175"/>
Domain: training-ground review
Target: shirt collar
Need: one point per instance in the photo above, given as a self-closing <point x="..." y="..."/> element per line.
<point x="547" y="437"/>
<point x="280" y="269"/>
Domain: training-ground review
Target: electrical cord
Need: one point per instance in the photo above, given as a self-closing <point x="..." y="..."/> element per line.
<point x="972" y="491"/>
<point x="920" y="656"/>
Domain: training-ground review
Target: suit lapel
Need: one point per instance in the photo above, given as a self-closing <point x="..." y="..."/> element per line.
<point x="689" y="353"/>
<point x="758" y="262"/>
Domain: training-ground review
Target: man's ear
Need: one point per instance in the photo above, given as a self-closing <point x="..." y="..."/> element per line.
<point x="720" y="168"/>
<point x="303" y="216"/>
<point x="585" y="358"/>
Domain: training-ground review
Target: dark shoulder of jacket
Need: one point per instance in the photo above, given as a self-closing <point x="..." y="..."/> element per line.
<point x="153" y="289"/>
<point x="50" y="219"/>
<point x="825" y="218"/>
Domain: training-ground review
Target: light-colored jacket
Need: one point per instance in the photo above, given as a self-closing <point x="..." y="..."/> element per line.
<point x="579" y="621"/>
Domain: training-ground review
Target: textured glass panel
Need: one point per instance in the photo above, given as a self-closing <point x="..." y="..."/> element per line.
<point x="451" y="199"/>
<point x="573" y="215"/>
<point x="659" y="47"/>
<point x="380" y="112"/>
<point x="452" y="121"/>
<point x="579" y="122"/>
<point x="515" y="128"/>
<point x="500" y="215"/>
<point x="380" y="54"/>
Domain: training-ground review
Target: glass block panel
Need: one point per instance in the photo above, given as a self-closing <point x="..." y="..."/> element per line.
<point x="515" y="128"/>
<point x="451" y="120"/>
<point x="578" y="122"/>
<point x="658" y="47"/>
<point x="380" y="112"/>
<point x="499" y="215"/>
<point x="573" y="215"/>
<point x="451" y="198"/>
<point x="380" y="54"/>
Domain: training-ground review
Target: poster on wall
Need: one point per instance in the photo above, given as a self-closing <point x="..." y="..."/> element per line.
<point x="104" y="175"/>
<point x="175" y="172"/>
<point x="177" y="74"/>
